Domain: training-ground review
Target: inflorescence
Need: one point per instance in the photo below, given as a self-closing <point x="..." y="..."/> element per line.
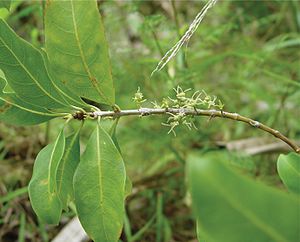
<point x="182" y="100"/>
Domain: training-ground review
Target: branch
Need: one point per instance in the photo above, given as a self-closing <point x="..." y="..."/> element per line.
<point x="197" y="112"/>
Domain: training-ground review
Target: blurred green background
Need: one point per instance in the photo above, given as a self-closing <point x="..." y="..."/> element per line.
<point x="244" y="52"/>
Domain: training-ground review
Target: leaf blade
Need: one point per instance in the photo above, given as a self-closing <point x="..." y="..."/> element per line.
<point x="113" y="134"/>
<point x="17" y="112"/>
<point x="25" y="70"/>
<point x="70" y="97"/>
<point x="78" y="50"/>
<point x="66" y="169"/>
<point x="101" y="166"/>
<point x="288" y="167"/>
<point x="41" y="188"/>
<point x="228" y="205"/>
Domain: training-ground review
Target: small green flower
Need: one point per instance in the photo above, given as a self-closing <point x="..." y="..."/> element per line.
<point x="165" y="103"/>
<point x="220" y="105"/>
<point x="139" y="98"/>
<point x="182" y="101"/>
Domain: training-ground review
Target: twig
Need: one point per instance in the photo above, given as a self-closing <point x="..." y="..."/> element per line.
<point x="197" y="112"/>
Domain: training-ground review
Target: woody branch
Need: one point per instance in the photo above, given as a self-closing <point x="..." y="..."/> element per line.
<point x="211" y="113"/>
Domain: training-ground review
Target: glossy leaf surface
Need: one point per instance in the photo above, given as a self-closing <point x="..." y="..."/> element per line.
<point x="42" y="186"/>
<point x="233" y="208"/>
<point x="99" y="184"/>
<point x="25" y="70"/>
<point x="288" y="167"/>
<point x="77" y="49"/>
<point x="66" y="169"/>
<point x="17" y="112"/>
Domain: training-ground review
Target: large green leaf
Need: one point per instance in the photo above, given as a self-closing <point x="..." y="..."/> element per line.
<point x="25" y="71"/>
<point x="288" y="167"/>
<point x="99" y="184"/>
<point x="233" y="208"/>
<point x="77" y="48"/>
<point x="42" y="186"/>
<point x="66" y="169"/>
<point x="17" y="112"/>
<point x="113" y="134"/>
<point x="69" y="96"/>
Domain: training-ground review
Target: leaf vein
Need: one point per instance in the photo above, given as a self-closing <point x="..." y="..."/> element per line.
<point x="28" y="72"/>
<point x="86" y="67"/>
<point x="243" y="211"/>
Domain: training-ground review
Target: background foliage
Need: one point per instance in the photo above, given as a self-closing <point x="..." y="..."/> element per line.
<point x="246" y="53"/>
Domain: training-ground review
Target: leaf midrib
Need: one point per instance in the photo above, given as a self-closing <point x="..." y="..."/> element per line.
<point x="28" y="72"/>
<point x="57" y="88"/>
<point x="50" y="162"/>
<point x="293" y="168"/>
<point x="32" y="111"/>
<point x="100" y="179"/>
<point x="64" y="161"/>
<point x="85" y="65"/>
<point x="251" y="217"/>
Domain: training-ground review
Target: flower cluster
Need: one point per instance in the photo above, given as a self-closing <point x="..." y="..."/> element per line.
<point x="197" y="100"/>
<point x="182" y="101"/>
<point x="180" y="118"/>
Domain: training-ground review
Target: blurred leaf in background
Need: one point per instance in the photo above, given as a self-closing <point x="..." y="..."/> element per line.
<point x="230" y="207"/>
<point x="289" y="171"/>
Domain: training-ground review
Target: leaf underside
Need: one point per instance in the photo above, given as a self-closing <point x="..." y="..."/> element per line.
<point x="25" y="71"/>
<point x="67" y="94"/>
<point x="17" y="112"/>
<point x="78" y="50"/>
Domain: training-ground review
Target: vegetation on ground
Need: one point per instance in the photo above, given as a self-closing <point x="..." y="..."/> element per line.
<point x="216" y="179"/>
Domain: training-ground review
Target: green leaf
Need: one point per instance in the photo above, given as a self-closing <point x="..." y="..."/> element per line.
<point x="288" y="167"/>
<point x="66" y="169"/>
<point x="5" y="4"/>
<point x="17" y="112"/>
<point x="68" y="95"/>
<point x="25" y="71"/>
<point x="113" y="135"/>
<point x="233" y="208"/>
<point x="99" y="184"/>
<point x="78" y="50"/>
<point x="42" y="186"/>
